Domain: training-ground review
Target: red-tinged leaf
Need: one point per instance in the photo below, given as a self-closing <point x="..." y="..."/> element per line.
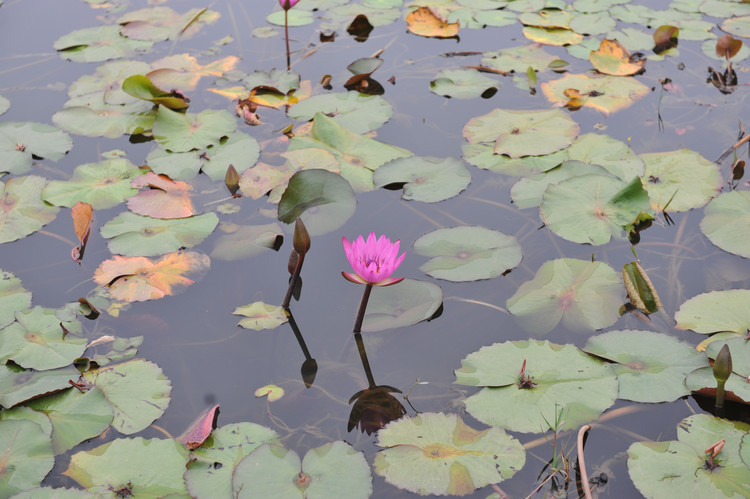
<point x="727" y="46"/>
<point x="81" y="213"/>
<point x="425" y="22"/>
<point x="232" y="180"/>
<point x="665" y="38"/>
<point x="137" y="278"/>
<point x="89" y="311"/>
<point x="161" y="197"/>
<point x="199" y="430"/>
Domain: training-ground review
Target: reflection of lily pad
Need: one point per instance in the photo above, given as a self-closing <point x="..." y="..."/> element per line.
<point x="523" y="133"/>
<point x="226" y="446"/>
<point x="425" y="178"/>
<point x="727" y="222"/>
<point x="659" y="469"/>
<point x="435" y="453"/>
<point x="403" y="304"/>
<point x="102" y="185"/>
<point x="684" y="176"/>
<point x="27" y="455"/>
<point x="22" y="210"/>
<point x="467" y="253"/>
<point x="13" y="297"/>
<point x="354" y="111"/>
<point x="651" y="367"/>
<point x="716" y="311"/>
<point x="541" y="381"/>
<point x="463" y="84"/>
<point x="261" y="315"/>
<point x="605" y="93"/>
<point x="584" y="295"/>
<point x="331" y="470"/>
<point x="244" y="241"/>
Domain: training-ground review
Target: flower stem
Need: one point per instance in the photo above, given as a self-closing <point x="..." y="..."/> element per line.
<point x="286" y="33"/>
<point x="362" y="307"/>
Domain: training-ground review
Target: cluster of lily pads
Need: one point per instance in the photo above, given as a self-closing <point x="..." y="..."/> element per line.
<point x="59" y="387"/>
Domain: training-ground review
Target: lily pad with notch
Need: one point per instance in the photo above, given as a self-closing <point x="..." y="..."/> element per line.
<point x="98" y="44"/>
<point x="259" y="316"/>
<point x="518" y="59"/>
<point x="529" y="191"/>
<point x="409" y="302"/>
<point x="424" y="178"/>
<point x="716" y="311"/>
<point x="680" y="180"/>
<point x="179" y="132"/>
<point x="463" y="84"/>
<point x="22" y="142"/>
<point x="244" y="241"/>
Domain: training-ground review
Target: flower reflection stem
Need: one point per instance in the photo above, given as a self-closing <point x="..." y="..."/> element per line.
<point x="286" y="34"/>
<point x="297" y="333"/>
<point x="293" y="281"/>
<point x="363" y="353"/>
<point x="362" y="307"/>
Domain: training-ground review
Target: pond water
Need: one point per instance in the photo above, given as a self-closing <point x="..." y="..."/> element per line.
<point x="194" y="337"/>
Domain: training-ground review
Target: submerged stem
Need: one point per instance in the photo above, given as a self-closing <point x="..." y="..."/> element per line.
<point x="362" y="307"/>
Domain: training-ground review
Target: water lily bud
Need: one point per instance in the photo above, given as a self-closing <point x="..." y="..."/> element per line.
<point x="287" y="4"/>
<point x="723" y="365"/>
<point x="301" y="241"/>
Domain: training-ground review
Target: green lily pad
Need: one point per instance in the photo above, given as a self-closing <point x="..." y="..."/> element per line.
<point x="261" y="316"/>
<point x="651" y="367"/>
<point x="102" y="185"/>
<point x="613" y="155"/>
<point x="709" y="50"/>
<point x="727" y="222"/>
<point x="27" y="455"/>
<point x="282" y="81"/>
<point x="603" y="92"/>
<point x="658" y="469"/>
<point x="54" y="493"/>
<point x="98" y="44"/>
<point x="344" y="14"/>
<point x="331" y="470"/>
<point x="552" y="36"/>
<point x="590" y="209"/>
<point x="237" y="149"/>
<point x="434" y="453"/>
<point x="20" y="142"/>
<point x="13" y="297"/>
<point x="354" y="111"/>
<point x="483" y="155"/>
<point x="19" y="385"/>
<point x="716" y="311"/>
<point x="244" y="241"/>
<point x="183" y="166"/>
<point x="159" y="23"/>
<point x="546" y="18"/>
<point x="138" y="391"/>
<point x="584" y="295"/>
<point x="523" y="133"/>
<point x="740" y="350"/>
<point x="403" y="304"/>
<point x="75" y="416"/>
<point x="358" y="156"/>
<point x="179" y="132"/>
<point x="558" y="382"/>
<point x="684" y="176"/>
<point x="136" y="466"/>
<point x="703" y="381"/>
<point x="467" y="253"/>
<point x="324" y="198"/>
<point x="135" y="235"/>
<point x="463" y="84"/>
<point x="593" y="24"/>
<point x="105" y="85"/>
<point x="37" y="340"/>
<point x="105" y="120"/>
<point x="4" y="104"/>
<point x="425" y="178"/>
<point x="22" y="210"/>
<point x="295" y="17"/>
<point x="518" y="59"/>
<point x="529" y="191"/>
<point x="141" y="87"/>
<point x="226" y="446"/>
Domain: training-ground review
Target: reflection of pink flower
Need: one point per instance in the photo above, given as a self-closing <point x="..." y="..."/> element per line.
<point x="373" y="261"/>
<point x="288" y="4"/>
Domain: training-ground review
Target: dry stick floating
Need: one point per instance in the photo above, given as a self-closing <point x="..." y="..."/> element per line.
<point x="582" y="462"/>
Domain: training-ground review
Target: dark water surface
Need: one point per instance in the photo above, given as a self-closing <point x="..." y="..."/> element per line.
<point x="194" y="337"/>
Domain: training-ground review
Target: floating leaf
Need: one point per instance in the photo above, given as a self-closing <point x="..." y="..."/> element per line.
<point x="261" y="316"/>
<point x="19" y="385"/>
<point x="161" y="23"/>
<point x="21" y="142"/>
<point x="138" y="391"/>
<point x="435" y="453"/>
<point x="727" y="46"/>
<point x="245" y="241"/>
<point x="273" y="392"/>
<point x="196" y="434"/>
<point x="529" y="191"/>
<point x="135" y="235"/>
<point x="613" y="155"/>
<point x="552" y="36"/>
<point x="659" y="468"/>
<point x="716" y="311"/>
<point x="102" y="185"/>
<point x="584" y="295"/>
<point x="238" y="149"/>
<point x="727" y="222"/>
<point x="331" y="470"/>
<point x="407" y="303"/>
<point x="354" y="111"/>
<point x="523" y="133"/>
<point x="105" y="85"/>
<point x="179" y="132"/>
<point x="604" y="92"/>
<point x="483" y="155"/>
<point x="425" y="178"/>
<point x="737" y="26"/>
<point x="137" y="278"/>
<point x="425" y="22"/>
<point x="98" y="44"/>
<point x="27" y="456"/>
<point x="682" y="178"/>
<point x="325" y="199"/>
<point x="13" y="297"/>
<point x="548" y="382"/>
<point x="161" y="197"/>
<point x="38" y="340"/>
<point x="467" y="253"/>
<point x="154" y="468"/>
<point x="517" y="59"/>
<point x="209" y="471"/>
<point x="141" y="87"/>
<point x="81" y="213"/>
<point x="651" y="367"/>
<point x="703" y="382"/>
<point x="665" y="38"/>
<point x="22" y="210"/>
<point x="613" y="58"/>
<point x="104" y="120"/>
<point x="183" y="71"/>
<point x="641" y="290"/>
<point x="463" y="84"/>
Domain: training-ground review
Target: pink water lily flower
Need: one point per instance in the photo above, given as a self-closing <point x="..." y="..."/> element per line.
<point x="288" y="4"/>
<point x="373" y="261"/>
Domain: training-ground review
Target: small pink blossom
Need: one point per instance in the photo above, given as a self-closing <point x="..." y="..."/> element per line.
<point x="373" y="261"/>
<point x="288" y="4"/>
